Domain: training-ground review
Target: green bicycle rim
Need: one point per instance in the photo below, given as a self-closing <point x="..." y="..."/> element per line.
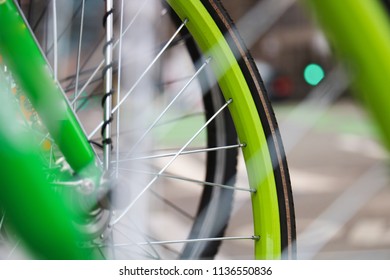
<point x="249" y="128"/>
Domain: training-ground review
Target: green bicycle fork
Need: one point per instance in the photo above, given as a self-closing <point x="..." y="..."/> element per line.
<point x="35" y="211"/>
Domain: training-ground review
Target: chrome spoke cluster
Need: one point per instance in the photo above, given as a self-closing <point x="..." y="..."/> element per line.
<point x="124" y="156"/>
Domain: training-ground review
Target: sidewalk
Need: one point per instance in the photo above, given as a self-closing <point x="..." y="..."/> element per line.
<point x="341" y="187"/>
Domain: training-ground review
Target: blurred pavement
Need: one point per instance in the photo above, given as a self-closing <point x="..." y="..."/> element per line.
<point x="341" y="187"/>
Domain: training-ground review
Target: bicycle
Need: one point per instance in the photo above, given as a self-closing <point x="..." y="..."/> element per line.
<point x="81" y="157"/>
<point x="252" y="119"/>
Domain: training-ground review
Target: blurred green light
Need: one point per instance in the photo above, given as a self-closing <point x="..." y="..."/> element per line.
<point x="313" y="74"/>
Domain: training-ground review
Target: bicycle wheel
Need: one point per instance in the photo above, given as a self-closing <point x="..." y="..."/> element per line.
<point x="212" y="42"/>
<point x="259" y="106"/>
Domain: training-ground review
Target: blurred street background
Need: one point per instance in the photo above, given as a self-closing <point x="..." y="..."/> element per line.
<point x="339" y="170"/>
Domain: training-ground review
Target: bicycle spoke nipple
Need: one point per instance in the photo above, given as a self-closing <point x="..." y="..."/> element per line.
<point x="208" y="60"/>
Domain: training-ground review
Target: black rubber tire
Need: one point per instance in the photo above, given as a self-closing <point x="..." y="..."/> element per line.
<point x="268" y="120"/>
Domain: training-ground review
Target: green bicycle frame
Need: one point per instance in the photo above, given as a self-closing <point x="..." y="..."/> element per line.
<point x="31" y="70"/>
<point x="24" y="186"/>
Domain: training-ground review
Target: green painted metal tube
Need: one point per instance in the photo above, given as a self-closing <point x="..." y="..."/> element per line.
<point x="42" y="217"/>
<point x="39" y="215"/>
<point x="30" y="69"/>
<point x="360" y="33"/>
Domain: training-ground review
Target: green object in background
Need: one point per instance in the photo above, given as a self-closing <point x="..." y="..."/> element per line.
<point x="33" y="209"/>
<point x="360" y="33"/>
<point x="313" y="74"/>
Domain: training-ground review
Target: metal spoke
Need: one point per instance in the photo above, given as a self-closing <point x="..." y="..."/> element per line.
<point x="88" y="82"/>
<point x="210" y="184"/>
<point x="55" y="45"/>
<point x="108" y="84"/>
<point x="184" y="241"/>
<point x="79" y="51"/>
<point x="99" y="67"/>
<point x="172" y="205"/>
<point x="92" y="79"/>
<point x="13" y="249"/>
<point x="142" y="234"/>
<point x="170" y="104"/>
<point x="187" y="152"/>
<point x="130" y="131"/>
<point x="169" y="163"/>
<point x="102" y="253"/>
<point x="177" y="80"/>
<point x="2" y="221"/>
<point x="40" y="18"/>
<point x="200" y="182"/>
<point x="136" y="244"/>
<point x="142" y="75"/>
<point x="118" y="97"/>
<point x="70" y="79"/>
<point x="64" y="30"/>
<point x="150" y="66"/>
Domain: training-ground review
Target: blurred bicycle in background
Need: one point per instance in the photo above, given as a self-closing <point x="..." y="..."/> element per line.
<point x="337" y="161"/>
